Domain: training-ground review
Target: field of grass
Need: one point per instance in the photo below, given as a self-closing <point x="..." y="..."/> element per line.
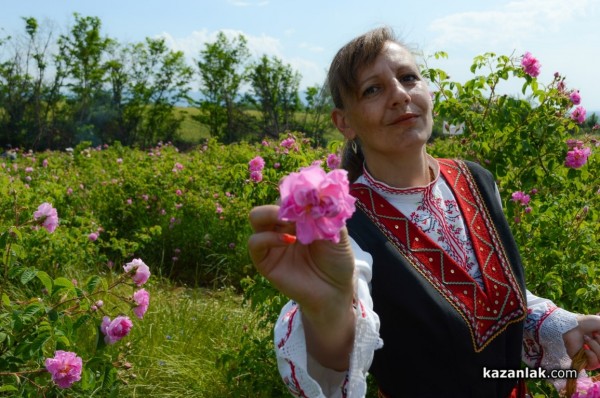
<point x="175" y="349"/>
<point x="193" y="132"/>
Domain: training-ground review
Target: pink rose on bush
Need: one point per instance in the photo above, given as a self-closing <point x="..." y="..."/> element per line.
<point x="142" y="272"/>
<point x="288" y="143"/>
<point x="318" y="202"/>
<point x="575" y="97"/>
<point x="578" y="114"/>
<point x="520" y="197"/>
<point x="65" y="368"/>
<point x="256" y="164"/>
<point x="116" y="329"/>
<point x="142" y="300"/>
<point x="530" y="65"/>
<point x="256" y="176"/>
<point x="93" y="236"/>
<point x="577" y="157"/>
<point x="47" y="216"/>
<point x="333" y="161"/>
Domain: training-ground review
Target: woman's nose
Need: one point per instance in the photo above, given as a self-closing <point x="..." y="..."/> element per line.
<point x="399" y="93"/>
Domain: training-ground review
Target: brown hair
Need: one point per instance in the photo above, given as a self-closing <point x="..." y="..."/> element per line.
<point x="358" y="53"/>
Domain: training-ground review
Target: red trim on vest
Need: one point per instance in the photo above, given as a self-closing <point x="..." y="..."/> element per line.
<point x="486" y="312"/>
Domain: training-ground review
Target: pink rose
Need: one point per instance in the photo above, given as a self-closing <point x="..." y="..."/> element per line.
<point x="288" y="143"/>
<point x="333" y="161"/>
<point x="578" y="114"/>
<point x="256" y="164"/>
<point x="93" y="236"/>
<point x="142" y="300"/>
<point x="319" y="203"/>
<point x="116" y="329"/>
<point x="530" y="65"/>
<point x="575" y="97"/>
<point x="256" y="176"/>
<point x="65" y="368"/>
<point x="521" y="197"/>
<point x="142" y="272"/>
<point x="577" y="157"/>
<point x="47" y="216"/>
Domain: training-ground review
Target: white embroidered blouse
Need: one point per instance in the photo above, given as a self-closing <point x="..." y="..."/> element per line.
<point x="434" y="209"/>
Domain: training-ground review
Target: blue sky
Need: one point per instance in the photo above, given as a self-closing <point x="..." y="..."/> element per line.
<point x="563" y="35"/>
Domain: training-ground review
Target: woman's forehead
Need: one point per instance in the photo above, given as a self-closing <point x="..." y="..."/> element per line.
<point x="392" y="54"/>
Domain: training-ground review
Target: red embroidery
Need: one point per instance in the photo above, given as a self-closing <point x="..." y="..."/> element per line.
<point x="486" y="310"/>
<point x="289" y="316"/>
<point x="294" y="385"/>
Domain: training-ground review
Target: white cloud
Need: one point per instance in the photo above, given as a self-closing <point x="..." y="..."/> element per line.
<point x="510" y="23"/>
<point x="311" y="47"/>
<point x="192" y="44"/>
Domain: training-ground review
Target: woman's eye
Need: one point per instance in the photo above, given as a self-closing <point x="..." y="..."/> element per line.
<point x="409" y="78"/>
<point x="369" y="91"/>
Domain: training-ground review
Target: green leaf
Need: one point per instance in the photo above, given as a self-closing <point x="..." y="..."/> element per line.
<point x="93" y="283"/>
<point x="38" y="343"/>
<point x="46" y="280"/>
<point x="87" y="379"/>
<point x="64" y="283"/>
<point x="80" y="321"/>
<point x="581" y="291"/>
<point x="53" y="315"/>
<point x="28" y="275"/>
<point x="3" y="238"/>
<point x="5" y="300"/>
<point x="31" y="310"/>
<point x="8" y="387"/>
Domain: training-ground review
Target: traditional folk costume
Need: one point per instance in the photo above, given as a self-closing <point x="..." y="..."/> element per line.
<point x="440" y="265"/>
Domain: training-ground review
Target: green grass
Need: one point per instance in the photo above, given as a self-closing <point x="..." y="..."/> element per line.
<point x="175" y="348"/>
<point x="192" y="131"/>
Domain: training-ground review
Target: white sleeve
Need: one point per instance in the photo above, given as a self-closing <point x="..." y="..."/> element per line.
<point x="306" y="377"/>
<point x="543" y="343"/>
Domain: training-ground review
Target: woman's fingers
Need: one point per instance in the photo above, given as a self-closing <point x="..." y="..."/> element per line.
<point x="259" y="244"/>
<point x="266" y="218"/>
<point x="592" y="351"/>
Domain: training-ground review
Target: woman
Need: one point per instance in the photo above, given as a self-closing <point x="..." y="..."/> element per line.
<point x="425" y="289"/>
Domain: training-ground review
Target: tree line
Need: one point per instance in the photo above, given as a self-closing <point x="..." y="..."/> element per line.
<point x="59" y="90"/>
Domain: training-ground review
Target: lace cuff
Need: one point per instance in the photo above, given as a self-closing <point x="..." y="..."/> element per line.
<point x="304" y="377"/>
<point x="551" y="336"/>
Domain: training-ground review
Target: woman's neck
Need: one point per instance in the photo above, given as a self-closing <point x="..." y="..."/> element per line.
<point x="401" y="171"/>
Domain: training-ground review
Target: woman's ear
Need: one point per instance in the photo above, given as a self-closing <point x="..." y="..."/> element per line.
<point x="338" y="117"/>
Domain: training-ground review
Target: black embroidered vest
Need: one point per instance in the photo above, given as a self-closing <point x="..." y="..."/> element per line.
<point x="439" y="327"/>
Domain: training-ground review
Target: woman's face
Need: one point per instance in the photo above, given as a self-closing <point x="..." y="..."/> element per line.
<point x="391" y="111"/>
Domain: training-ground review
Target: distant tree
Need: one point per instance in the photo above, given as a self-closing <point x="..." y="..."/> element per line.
<point x="317" y="110"/>
<point x="82" y="55"/>
<point x="274" y="88"/>
<point x="159" y="79"/>
<point x="221" y="67"/>
<point x="591" y="123"/>
<point x="28" y="97"/>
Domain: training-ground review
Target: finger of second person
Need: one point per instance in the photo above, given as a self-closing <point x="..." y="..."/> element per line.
<point x="266" y="218"/>
<point x="594" y="346"/>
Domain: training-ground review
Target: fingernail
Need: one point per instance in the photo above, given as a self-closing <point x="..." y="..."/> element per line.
<point x="287" y="238"/>
<point x="586" y="347"/>
<point x="586" y="337"/>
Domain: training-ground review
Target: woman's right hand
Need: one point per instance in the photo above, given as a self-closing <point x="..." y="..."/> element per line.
<point x="318" y="276"/>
